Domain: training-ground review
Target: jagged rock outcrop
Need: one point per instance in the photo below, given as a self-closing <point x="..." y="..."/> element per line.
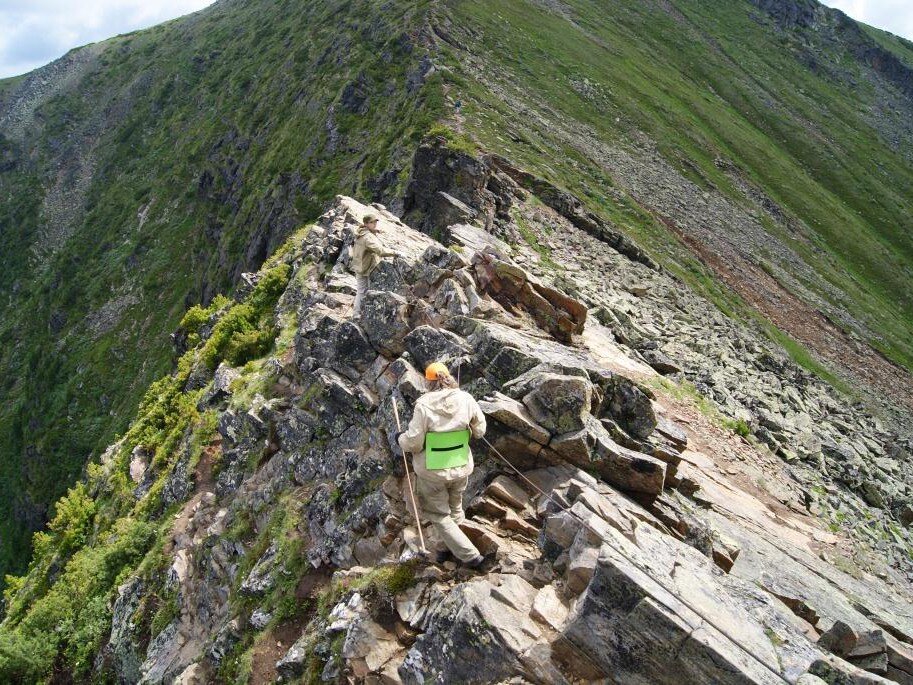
<point x="621" y="545"/>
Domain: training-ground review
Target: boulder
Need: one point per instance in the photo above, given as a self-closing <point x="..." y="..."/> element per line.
<point x="509" y="363"/>
<point x="385" y="321"/>
<point x="628" y="405"/>
<point x="559" y="403"/>
<point x="350" y="349"/>
<point x="451" y="298"/>
<point x="660" y="362"/>
<point x="592" y="448"/>
<point x="427" y="344"/>
<point x="672" y="432"/>
<point x="446" y="210"/>
<point x="582" y="557"/>
<point x="549" y="608"/>
<point x="553" y="311"/>
<point x="443" y="258"/>
<point x="479" y="632"/>
<point x="509" y="492"/>
<point x="513" y="415"/>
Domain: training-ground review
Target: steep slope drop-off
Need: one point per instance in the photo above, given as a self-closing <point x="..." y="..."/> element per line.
<point x="147" y="173"/>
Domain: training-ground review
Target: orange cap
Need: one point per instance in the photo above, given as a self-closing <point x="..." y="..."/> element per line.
<point x="436" y="371"/>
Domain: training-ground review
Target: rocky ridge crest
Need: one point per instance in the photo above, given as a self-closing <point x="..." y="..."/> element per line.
<point x="652" y="559"/>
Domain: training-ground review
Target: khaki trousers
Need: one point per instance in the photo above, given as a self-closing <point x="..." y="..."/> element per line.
<point x="442" y="504"/>
<point x="362" y="282"/>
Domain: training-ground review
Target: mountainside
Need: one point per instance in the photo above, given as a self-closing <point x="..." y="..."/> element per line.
<point x="715" y="192"/>
<point x="773" y="143"/>
<point x="145" y="174"/>
<point x="760" y="152"/>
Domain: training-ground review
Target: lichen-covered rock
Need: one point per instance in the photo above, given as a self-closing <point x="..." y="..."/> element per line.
<point x="385" y="321"/>
<point x="124" y="646"/>
<point x="560" y="404"/>
<point x="427" y="344"/>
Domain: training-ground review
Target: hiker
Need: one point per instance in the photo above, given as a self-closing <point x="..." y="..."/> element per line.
<point x="366" y="255"/>
<point x="438" y="436"/>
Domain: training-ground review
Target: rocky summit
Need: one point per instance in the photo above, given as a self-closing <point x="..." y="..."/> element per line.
<point x="664" y="245"/>
<point x="257" y="526"/>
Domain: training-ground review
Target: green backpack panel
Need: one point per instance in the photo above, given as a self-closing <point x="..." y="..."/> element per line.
<point x="445" y="450"/>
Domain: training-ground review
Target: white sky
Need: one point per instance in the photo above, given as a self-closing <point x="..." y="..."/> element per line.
<point x="34" y="32"/>
<point x="895" y="16"/>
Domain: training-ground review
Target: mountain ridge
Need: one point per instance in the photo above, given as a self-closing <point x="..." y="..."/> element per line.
<point x="251" y="524"/>
<point x="761" y="165"/>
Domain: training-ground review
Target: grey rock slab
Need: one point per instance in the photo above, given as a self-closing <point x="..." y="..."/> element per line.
<point x="643" y="632"/>
<point x="549" y="608"/>
<point x="474" y="636"/>
<point x="514" y="415"/>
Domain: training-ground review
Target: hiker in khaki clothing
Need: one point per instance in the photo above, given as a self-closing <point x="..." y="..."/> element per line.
<point x="366" y="255"/>
<point x="444" y="412"/>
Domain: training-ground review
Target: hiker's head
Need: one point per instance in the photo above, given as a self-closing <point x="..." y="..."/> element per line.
<point x="370" y="221"/>
<point x="438" y="377"/>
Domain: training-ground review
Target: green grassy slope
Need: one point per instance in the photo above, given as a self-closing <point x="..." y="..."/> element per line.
<point x="228" y="128"/>
<point x="709" y="80"/>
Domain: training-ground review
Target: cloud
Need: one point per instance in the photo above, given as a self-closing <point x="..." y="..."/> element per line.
<point x="895" y="16"/>
<point x="35" y="32"/>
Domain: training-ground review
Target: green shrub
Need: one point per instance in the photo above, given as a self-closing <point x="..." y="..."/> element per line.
<point x="247" y="330"/>
<point x="168" y="610"/>
<point x="452" y="140"/>
<point x="72" y="618"/>
<point x="73" y="518"/>
<point x="24" y="659"/>
<point x="197" y="315"/>
<point x="738" y="426"/>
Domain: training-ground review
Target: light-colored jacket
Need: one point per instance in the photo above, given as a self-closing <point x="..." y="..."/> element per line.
<point x="449" y="409"/>
<point x="367" y="251"/>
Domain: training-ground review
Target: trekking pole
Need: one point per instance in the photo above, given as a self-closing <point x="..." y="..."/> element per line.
<point x="418" y="521"/>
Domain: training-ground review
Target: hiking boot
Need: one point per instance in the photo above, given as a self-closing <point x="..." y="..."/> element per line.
<point x="475" y="562"/>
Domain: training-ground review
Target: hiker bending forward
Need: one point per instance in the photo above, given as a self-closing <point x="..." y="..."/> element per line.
<point x="438" y="437"/>
<point x="366" y="255"/>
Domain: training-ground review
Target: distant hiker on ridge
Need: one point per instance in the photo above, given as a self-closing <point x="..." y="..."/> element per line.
<point x="438" y="436"/>
<point x="366" y="255"/>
